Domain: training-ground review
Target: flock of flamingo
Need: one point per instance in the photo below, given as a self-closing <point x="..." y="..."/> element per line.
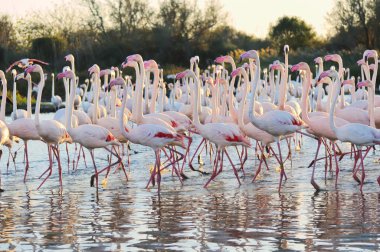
<point x="119" y="112"/>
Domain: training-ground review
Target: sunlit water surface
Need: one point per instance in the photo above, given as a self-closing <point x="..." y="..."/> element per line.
<point x="226" y="216"/>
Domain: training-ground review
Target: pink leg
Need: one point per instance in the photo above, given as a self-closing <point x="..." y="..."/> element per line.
<point x="27" y="160"/>
<point x="337" y="166"/>
<point x="95" y="176"/>
<point x="50" y="169"/>
<point x="233" y="166"/>
<point x="216" y="162"/>
<point x="282" y="173"/>
<point x="315" y="185"/>
<point x="363" y="171"/>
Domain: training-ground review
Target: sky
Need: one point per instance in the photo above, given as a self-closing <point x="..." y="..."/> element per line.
<point x="251" y="16"/>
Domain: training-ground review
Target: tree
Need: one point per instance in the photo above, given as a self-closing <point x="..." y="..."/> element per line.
<point x="292" y="31"/>
<point x="357" y="20"/>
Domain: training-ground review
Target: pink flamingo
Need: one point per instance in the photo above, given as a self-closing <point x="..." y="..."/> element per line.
<point x="152" y="135"/>
<point x="318" y="125"/>
<point x="221" y="134"/>
<point x="356" y="133"/>
<point x="51" y="132"/>
<point x="278" y="123"/>
<point x="90" y="136"/>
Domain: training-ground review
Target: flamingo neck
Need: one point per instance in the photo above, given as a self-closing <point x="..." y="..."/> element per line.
<point x="283" y="87"/>
<point x="71" y="104"/>
<point x="156" y="80"/>
<point x="242" y="103"/>
<point x="122" y="123"/>
<point x="41" y="85"/>
<point x="196" y="101"/>
<point x="371" y="105"/>
<point x="14" y="98"/>
<point x="66" y="83"/>
<point x="4" y="98"/>
<point x="332" y="109"/>
<point x="96" y="87"/>
<point x="254" y="120"/>
<point x="29" y="98"/>
<point x="305" y="94"/>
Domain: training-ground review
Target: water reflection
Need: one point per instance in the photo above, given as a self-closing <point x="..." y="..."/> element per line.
<point x="252" y="217"/>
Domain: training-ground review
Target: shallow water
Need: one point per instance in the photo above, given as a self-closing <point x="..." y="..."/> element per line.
<point x="226" y="216"/>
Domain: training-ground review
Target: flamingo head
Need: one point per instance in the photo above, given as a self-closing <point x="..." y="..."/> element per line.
<point x="236" y="71"/>
<point x="361" y="62"/>
<point x="114" y="68"/>
<point x="349" y="82"/>
<point x="66" y="74"/>
<point x="184" y="74"/>
<point x="318" y="60"/>
<point x="286" y="49"/>
<point x="222" y="59"/>
<point x="150" y="64"/>
<point x="372" y="67"/>
<point x="323" y="80"/>
<point x="251" y="54"/>
<point x="117" y="81"/>
<point x="328" y="73"/>
<point x="94" y="69"/>
<point x="31" y="69"/>
<point x="194" y="59"/>
<point x="277" y="66"/>
<point x="134" y="57"/>
<point x="129" y="63"/>
<point x="104" y="72"/>
<point x="69" y="57"/>
<point x="366" y="83"/>
<point x="370" y="54"/>
<point x="333" y="57"/>
<point x="300" y="66"/>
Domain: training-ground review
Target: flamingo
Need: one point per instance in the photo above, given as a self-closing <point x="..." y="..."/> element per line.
<point x="154" y="136"/>
<point x="24" y="63"/>
<point x="51" y="132"/>
<point x="56" y="100"/>
<point x="248" y="128"/>
<point x="278" y="123"/>
<point x="90" y="136"/>
<point x="318" y="124"/>
<point x="355" y="133"/>
<point x="25" y="128"/>
<point x="221" y="134"/>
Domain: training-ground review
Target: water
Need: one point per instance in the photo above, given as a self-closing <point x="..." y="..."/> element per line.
<point x="224" y="217"/>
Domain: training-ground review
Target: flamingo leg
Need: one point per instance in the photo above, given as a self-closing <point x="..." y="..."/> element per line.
<point x="282" y="173"/>
<point x="95" y="176"/>
<point x="50" y="168"/>
<point x="336" y="167"/>
<point x="363" y="171"/>
<point x="56" y="153"/>
<point x="192" y="158"/>
<point x="233" y="166"/>
<point x="27" y="160"/>
<point x="216" y="162"/>
<point x="315" y="185"/>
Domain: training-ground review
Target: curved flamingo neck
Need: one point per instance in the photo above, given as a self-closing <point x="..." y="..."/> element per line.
<point x="243" y="100"/>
